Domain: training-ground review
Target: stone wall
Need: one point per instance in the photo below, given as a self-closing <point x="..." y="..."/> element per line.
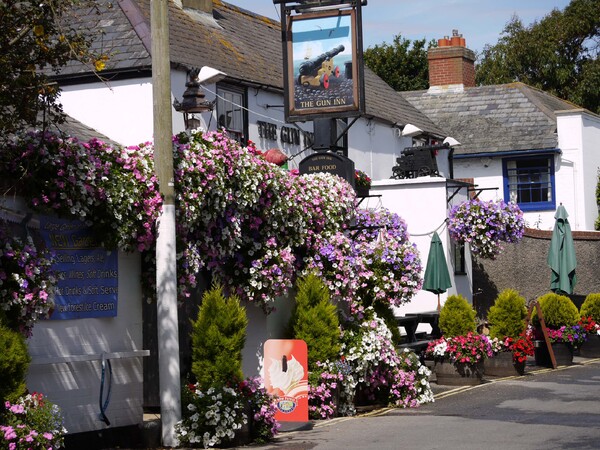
<point x="523" y="267"/>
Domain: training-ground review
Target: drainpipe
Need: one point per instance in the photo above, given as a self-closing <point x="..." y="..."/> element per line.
<point x="451" y="162"/>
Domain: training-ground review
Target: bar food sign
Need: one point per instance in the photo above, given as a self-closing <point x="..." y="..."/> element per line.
<point x="322" y="76"/>
<point x="88" y="286"/>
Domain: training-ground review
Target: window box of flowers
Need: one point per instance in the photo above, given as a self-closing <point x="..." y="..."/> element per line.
<point x="590" y="319"/>
<point x="362" y="183"/>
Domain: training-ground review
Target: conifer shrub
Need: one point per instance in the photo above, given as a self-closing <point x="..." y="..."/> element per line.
<point x="457" y="317"/>
<point x="315" y="321"/>
<point x="558" y="310"/>
<point x="218" y="338"/>
<point x="14" y="364"/>
<point x="591" y="307"/>
<point x="507" y="315"/>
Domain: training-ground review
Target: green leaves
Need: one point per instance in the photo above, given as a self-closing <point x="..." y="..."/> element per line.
<point x="558" y="54"/>
<point x="403" y="64"/>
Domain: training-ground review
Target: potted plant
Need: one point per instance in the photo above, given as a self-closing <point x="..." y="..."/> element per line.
<point x="590" y="319"/>
<point x="459" y="359"/>
<point x="460" y="352"/>
<point x="362" y="183"/>
<point x="511" y="343"/>
<point x="561" y="317"/>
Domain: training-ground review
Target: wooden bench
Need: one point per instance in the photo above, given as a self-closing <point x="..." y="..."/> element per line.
<point x="418" y="341"/>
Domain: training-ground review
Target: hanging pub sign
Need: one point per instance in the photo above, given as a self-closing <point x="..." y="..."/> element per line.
<point x="323" y="63"/>
<point x="88" y="285"/>
<point x="328" y="162"/>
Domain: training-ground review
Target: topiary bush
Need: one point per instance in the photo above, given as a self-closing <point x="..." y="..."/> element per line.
<point x="457" y="317"/>
<point x="591" y="307"/>
<point x="218" y="338"/>
<point x="14" y="364"/>
<point x="315" y="321"/>
<point x="558" y="310"/>
<point x="507" y="315"/>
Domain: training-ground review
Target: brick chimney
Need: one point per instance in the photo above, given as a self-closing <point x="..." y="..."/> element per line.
<point x="451" y="64"/>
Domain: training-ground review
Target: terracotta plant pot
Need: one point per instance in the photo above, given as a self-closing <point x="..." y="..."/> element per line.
<point x="458" y="374"/>
<point x="502" y="365"/>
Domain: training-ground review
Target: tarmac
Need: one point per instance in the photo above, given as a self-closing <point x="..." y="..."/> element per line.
<point x="152" y="427"/>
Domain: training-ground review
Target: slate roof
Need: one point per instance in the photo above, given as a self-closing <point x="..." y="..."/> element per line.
<point x="498" y="118"/>
<point x="244" y="45"/>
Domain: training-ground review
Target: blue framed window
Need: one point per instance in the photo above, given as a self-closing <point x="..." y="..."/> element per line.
<point x="529" y="182"/>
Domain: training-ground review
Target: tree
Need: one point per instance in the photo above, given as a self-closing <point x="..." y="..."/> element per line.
<point x="558" y="54"/>
<point x="315" y="321"/>
<point x="403" y="65"/>
<point x="37" y="39"/>
<point x="218" y="338"/>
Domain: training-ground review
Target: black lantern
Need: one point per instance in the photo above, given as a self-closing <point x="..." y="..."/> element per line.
<point x="194" y="101"/>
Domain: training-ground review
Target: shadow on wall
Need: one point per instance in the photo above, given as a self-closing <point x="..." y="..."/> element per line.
<point x="523" y="267"/>
<point x="485" y="290"/>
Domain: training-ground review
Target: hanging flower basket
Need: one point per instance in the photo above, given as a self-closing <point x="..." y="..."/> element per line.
<point x="486" y="225"/>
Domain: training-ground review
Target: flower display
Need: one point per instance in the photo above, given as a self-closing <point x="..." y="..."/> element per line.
<point x="216" y="415"/>
<point x="112" y="189"/>
<point x="360" y="268"/>
<point x="27" y="282"/>
<point x="589" y="325"/>
<point x="249" y="218"/>
<point x="485" y="225"/>
<point x="32" y="422"/>
<point x="378" y="370"/>
<point x="574" y="335"/>
<point x="470" y="348"/>
<point x="521" y="347"/>
<point x="324" y="389"/>
<point x="361" y="179"/>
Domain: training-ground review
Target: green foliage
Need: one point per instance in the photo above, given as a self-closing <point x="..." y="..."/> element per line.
<point x="36" y="36"/>
<point x="14" y="363"/>
<point x="558" y="54"/>
<point x="403" y="64"/>
<point x="457" y="317"/>
<point x="507" y="315"/>
<point x="218" y="337"/>
<point x="315" y="321"/>
<point x="591" y="307"/>
<point x="558" y="310"/>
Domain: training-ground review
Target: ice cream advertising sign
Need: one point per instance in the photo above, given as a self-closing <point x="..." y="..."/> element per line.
<point x="286" y="377"/>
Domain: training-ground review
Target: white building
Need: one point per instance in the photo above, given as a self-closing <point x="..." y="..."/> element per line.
<point x="518" y="143"/>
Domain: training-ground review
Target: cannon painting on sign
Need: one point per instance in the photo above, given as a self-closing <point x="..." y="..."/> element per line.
<point x="322" y="65"/>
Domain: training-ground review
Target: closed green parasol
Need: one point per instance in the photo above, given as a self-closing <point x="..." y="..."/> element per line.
<point x="561" y="257"/>
<point x="437" y="277"/>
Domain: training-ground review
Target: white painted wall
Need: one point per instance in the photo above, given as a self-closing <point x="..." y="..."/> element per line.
<point x="579" y="139"/>
<point x="422" y="203"/>
<point x="66" y="359"/>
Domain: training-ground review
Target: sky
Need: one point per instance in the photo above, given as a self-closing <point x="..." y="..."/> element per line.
<point x="479" y="21"/>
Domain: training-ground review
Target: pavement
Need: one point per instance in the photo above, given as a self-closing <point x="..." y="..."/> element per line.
<point x="287" y="439"/>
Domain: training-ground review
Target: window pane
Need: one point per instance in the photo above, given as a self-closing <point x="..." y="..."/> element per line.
<point x="530" y="180"/>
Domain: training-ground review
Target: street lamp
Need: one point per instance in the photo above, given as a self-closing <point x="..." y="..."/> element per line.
<point x="194" y="101"/>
